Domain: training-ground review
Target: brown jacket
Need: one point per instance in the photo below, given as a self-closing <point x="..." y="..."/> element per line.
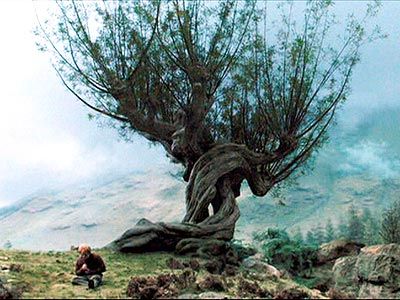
<point x="93" y="261"/>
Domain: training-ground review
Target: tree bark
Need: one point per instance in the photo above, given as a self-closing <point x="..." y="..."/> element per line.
<point x="214" y="181"/>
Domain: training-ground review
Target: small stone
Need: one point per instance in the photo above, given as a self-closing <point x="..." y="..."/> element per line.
<point x="213" y="295"/>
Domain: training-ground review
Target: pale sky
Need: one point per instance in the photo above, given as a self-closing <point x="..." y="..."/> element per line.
<point x="48" y="142"/>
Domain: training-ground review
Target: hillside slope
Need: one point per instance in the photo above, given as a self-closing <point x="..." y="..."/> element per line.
<point x="360" y="166"/>
<point x="99" y="215"/>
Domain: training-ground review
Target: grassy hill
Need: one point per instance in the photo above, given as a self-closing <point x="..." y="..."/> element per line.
<point x="48" y="275"/>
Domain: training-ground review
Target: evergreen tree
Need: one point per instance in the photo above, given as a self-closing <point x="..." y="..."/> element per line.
<point x="319" y="234"/>
<point x="371" y="228"/>
<point x="310" y="238"/>
<point x="297" y="235"/>
<point x="390" y="229"/>
<point x="329" y="231"/>
<point x="355" y="226"/>
<point x="342" y="230"/>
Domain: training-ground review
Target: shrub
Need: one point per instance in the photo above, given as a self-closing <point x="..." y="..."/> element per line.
<point x="282" y="252"/>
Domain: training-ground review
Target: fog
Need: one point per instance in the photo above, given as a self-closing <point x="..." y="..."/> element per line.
<point x="47" y="141"/>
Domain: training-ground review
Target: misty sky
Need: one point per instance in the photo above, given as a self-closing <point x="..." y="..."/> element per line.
<point x="47" y="141"/>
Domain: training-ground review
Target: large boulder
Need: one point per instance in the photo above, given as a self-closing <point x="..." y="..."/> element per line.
<point x="345" y="275"/>
<point x="374" y="273"/>
<point x="255" y="263"/>
<point x="329" y="252"/>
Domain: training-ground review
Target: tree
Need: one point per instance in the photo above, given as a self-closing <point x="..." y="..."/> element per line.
<point x="207" y="82"/>
<point x="342" y="229"/>
<point x="298" y="235"/>
<point x="310" y="238"/>
<point x="355" y="225"/>
<point x="329" y="232"/>
<point x="371" y="228"/>
<point x="390" y="229"/>
<point x="319" y="234"/>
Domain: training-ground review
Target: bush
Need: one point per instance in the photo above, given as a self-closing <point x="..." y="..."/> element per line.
<point x="282" y="252"/>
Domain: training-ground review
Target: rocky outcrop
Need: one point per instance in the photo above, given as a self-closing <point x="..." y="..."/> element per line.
<point x="329" y="252"/>
<point x="373" y="273"/>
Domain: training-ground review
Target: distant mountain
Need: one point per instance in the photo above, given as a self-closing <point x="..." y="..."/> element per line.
<point x="360" y="166"/>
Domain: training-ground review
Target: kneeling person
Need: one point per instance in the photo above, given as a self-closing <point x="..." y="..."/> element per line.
<point x="89" y="268"/>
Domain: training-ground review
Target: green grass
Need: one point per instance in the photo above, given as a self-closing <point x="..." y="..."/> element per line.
<point x="49" y="275"/>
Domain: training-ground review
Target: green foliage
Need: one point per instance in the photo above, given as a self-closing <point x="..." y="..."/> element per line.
<point x="243" y="249"/>
<point x="390" y="228"/>
<point x="361" y="226"/>
<point x="145" y="63"/>
<point x="310" y="238"/>
<point x="356" y="227"/>
<point x="289" y="254"/>
<point x="371" y="228"/>
<point x="298" y="235"/>
<point x="272" y="233"/>
<point x="329" y="232"/>
<point x="319" y="234"/>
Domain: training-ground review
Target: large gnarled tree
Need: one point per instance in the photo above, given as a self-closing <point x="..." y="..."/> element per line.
<point x="209" y="82"/>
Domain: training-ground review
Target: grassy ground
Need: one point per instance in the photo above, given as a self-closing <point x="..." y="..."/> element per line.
<point x="48" y="275"/>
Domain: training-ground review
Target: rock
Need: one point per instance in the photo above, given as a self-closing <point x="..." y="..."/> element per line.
<point x="205" y="295"/>
<point x="174" y="264"/>
<point x="373" y="273"/>
<point x="213" y="295"/>
<point x="260" y="266"/>
<point x="213" y="283"/>
<point x="378" y="270"/>
<point x="11" y="267"/>
<point x="345" y="275"/>
<point x="188" y="296"/>
<point x="329" y="252"/>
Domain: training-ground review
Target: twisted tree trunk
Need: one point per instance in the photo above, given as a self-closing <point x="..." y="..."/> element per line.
<point x="214" y="180"/>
